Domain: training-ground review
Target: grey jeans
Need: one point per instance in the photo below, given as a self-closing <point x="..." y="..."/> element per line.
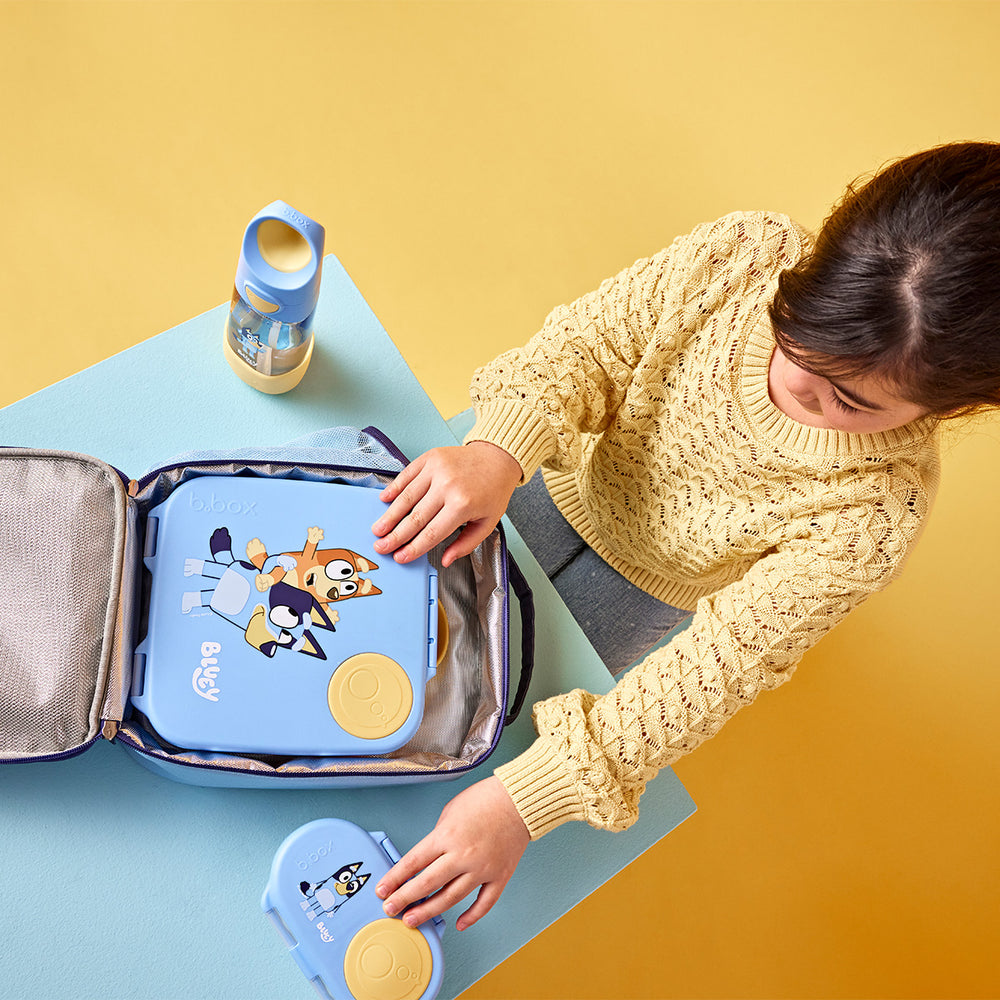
<point x="621" y="621"/>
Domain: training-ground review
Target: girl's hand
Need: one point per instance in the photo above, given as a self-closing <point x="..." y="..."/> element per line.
<point x="478" y="841"/>
<point x="440" y="491"/>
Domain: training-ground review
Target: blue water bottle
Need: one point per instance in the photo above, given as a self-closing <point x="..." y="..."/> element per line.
<point x="269" y="338"/>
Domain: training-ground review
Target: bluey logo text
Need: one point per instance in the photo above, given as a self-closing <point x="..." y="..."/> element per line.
<point x="205" y="678"/>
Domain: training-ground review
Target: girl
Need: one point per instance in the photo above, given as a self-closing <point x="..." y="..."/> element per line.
<point x="740" y="429"/>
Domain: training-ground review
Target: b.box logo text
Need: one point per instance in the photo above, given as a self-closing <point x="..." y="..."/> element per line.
<point x="324" y="850"/>
<point x="215" y="505"/>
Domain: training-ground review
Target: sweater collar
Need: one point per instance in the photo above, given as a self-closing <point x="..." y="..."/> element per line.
<point x="770" y="424"/>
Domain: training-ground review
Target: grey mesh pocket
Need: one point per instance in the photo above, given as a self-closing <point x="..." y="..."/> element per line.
<point x="62" y="534"/>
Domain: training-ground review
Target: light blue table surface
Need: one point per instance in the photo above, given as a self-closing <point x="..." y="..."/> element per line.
<point x="118" y="883"/>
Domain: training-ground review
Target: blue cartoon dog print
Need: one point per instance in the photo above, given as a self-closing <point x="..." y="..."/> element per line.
<point x="279" y="617"/>
<point x="323" y="899"/>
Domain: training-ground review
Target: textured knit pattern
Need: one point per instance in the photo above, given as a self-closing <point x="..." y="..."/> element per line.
<point x="646" y="403"/>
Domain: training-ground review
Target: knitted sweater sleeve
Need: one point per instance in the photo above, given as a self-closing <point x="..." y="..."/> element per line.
<point x="594" y="755"/>
<point x="539" y="400"/>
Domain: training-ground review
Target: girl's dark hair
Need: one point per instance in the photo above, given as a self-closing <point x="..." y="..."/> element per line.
<point x="904" y="282"/>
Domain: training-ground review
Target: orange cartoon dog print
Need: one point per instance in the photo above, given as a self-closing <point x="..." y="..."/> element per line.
<point x="328" y="575"/>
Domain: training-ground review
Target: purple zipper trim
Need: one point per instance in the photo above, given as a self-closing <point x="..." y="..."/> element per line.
<point x="62" y="755"/>
<point x="373" y="432"/>
<point x="506" y="631"/>
<point x="389" y="445"/>
<point x="150" y="476"/>
<point x="137" y="748"/>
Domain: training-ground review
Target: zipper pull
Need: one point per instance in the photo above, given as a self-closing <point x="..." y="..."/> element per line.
<point x="133" y="488"/>
<point x="110" y="729"/>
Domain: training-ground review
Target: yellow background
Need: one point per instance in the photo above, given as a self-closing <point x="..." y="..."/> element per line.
<point x="475" y="164"/>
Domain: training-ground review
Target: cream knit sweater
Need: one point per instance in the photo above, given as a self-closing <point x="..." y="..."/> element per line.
<point x="647" y="404"/>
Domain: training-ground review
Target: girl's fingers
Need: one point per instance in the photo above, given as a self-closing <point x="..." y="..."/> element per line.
<point x="401" y="494"/>
<point x="444" y="899"/>
<point x="415" y="525"/>
<point x="414" y="861"/>
<point x="488" y="895"/>
<point x="426" y="537"/>
<point x="434" y="877"/>
<point x="395" y="513"/>
<point x="470" y="536"/>
<point x="402" y="479"/>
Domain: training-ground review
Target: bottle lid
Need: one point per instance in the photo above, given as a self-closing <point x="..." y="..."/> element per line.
<point x="280" y="263"/>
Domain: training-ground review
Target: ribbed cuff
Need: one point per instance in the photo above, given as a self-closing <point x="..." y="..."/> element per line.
<point x="518" y="431"/>
<point x="542" y="792"/>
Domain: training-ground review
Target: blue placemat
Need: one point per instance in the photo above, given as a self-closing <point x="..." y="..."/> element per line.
<point x="117" y="882"/>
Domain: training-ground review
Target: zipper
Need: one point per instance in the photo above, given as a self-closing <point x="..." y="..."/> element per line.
<point x="136" y="747"/>
<point x="62" y="755"/>
<point x="389" y="445"/>
<point x="142" y="483"/>
<point x="505" y="708"/>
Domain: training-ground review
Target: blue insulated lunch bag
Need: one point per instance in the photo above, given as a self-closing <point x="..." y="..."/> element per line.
<point x="226" y="620"/>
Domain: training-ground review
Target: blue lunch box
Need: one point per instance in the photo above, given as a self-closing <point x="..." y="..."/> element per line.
<point x="275" y="628"/>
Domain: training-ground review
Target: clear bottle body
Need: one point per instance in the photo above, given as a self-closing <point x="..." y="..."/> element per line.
<point x="266" y="345"/>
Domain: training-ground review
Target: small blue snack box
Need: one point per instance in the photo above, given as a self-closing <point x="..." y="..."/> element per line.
<point x="274" y="627"/>
<point x="321" y="898"/>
